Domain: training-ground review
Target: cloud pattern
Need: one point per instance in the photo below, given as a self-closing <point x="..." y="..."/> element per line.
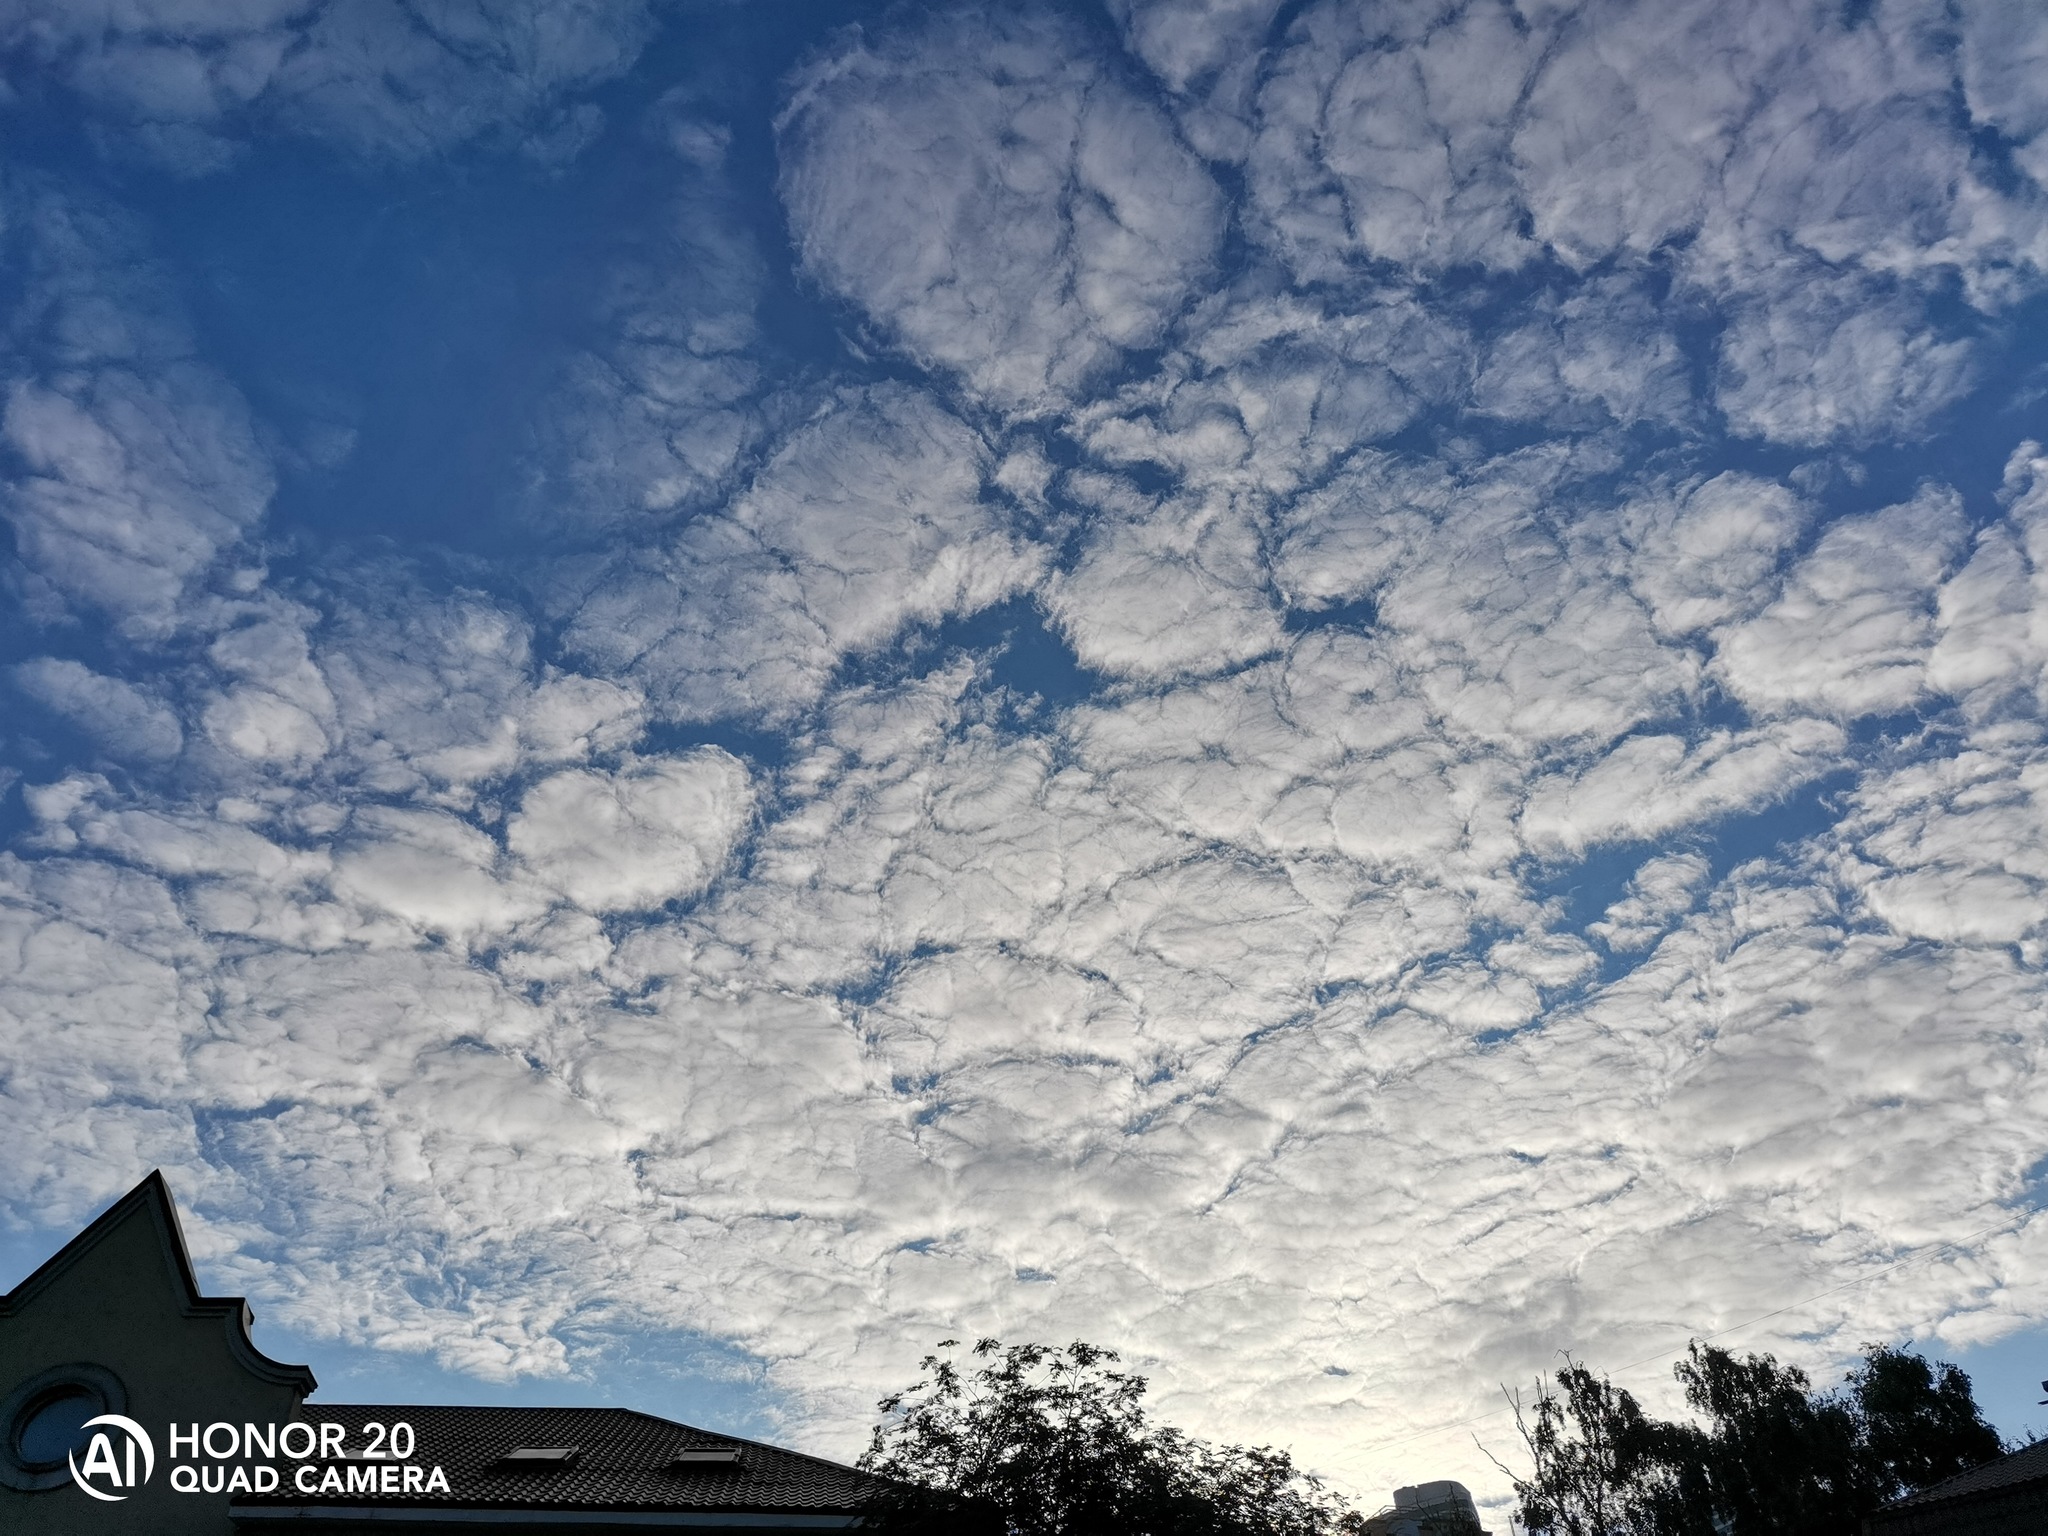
<point x="188" y="85"/>
<point x="1448" y="446"/>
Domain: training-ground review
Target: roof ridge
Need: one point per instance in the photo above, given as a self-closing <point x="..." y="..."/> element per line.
<point x="152" y="1194"/>
<point x="638" y="1413"/>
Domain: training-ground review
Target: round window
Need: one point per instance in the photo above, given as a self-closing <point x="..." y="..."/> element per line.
<point x="42" y="1422"/>
<point x="52" y="1428"/>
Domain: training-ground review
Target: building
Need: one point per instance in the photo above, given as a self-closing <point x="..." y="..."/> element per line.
<point x="131" y="1403"/>
<point x="2006" y="1497"/>
<point x="1428" y="1509"/>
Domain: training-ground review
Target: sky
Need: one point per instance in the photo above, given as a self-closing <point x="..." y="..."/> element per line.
<point x="1339" y="694"/>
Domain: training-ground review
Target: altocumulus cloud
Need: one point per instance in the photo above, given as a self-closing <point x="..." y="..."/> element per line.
<point x="1337" y="694"/>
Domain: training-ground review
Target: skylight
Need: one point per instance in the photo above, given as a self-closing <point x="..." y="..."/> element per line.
<point x="541" y="1456"/>
<point x="705" y="1456"/>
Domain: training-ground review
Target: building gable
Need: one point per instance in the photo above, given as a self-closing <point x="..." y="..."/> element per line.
<point x="115" y="1321"/>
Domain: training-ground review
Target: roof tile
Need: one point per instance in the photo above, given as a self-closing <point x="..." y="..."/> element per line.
<point x="626" y="1460"/>
<point x="2026" y="1465"/>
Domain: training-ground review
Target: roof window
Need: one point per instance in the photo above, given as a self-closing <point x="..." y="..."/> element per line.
<point x="538" y="1457"/>
<point x="705" y="1456"/>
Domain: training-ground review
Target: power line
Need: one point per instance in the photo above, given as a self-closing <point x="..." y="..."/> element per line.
<point x="1876" y="1274"/>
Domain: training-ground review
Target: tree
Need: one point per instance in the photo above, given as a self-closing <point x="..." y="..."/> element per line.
<point x="1775" y="1456"/>
<point x="1036" y="1441"/>
<point x="1920" y="1422"/>
<point x="1768" y="1456"/>
<point x="1603" y="1467"/>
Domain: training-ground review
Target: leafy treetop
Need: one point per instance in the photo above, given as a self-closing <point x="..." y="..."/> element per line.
<point x="1767" y="1455"/>
<point x="1036" y="1441"/>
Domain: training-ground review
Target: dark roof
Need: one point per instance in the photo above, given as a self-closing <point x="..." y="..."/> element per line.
<point x="2022" y="1466"/>
<point x="623" y="1462"/>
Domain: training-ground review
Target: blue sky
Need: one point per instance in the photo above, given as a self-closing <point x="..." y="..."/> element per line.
<point x="1340" y="694"/>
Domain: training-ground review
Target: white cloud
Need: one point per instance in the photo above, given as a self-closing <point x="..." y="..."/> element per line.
<point x="1651" y="785"/>
<point x="1664" y="888"/>
<point x="1855" y="626"/>
<point x="434" y="871"/>
<point x="1164" y="589"/>
<point x="134" y="486"/>
<point x="277" y="714"/>
<point x="125" y="718"/>
<point x="1808" y="366"/>
<point x="1268" y="392"/>
<point x="871" y="516"/>
<point x="1601" y="354"/>
<point x="995" y="200"/>
<point x="1750" y="134"/>
<point x="659" y="417"/>
<point x="136" y="473"/>
<point x="1993" y="613"/>
<point x="1956" y="849"/>
<point x="443" y="692"/>
<point x="183" y="843"/>
<point x="1086" y="1028"/>
<point x="1343" y="540"/>
<point x="1804" y="176"/>
<point x="2003" y="50"/>
<point x="1706" y="553"/>
<point x="1184" y="40"/>
<point x="637" y="838"/>
<point x="1489" y="598"/>
<point x="1385" y="134"/>
<point x="186" y="84"/>
<point x="139" y="465"/>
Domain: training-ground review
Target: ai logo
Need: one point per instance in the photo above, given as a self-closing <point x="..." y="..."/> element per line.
<point x="100" y="1460"/>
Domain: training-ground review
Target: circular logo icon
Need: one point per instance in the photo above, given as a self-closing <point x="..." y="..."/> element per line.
<point x="119" y="1471"/>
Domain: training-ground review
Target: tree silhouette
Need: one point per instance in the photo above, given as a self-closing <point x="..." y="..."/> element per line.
<point x="1603" y="1467"/>
<point x="1768" y="1456"/>
<point x="1036" y="1441"/>
<point x="1920" y="1421"/>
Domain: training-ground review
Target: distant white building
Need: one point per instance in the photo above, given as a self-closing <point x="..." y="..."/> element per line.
<point x="1428" y="1509"/>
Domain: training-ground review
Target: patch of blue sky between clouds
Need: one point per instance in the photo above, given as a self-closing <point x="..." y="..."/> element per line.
<point x="1336" y="693"/>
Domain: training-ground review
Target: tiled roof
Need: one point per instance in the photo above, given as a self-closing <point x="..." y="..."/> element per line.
<point x="2023" y="1466"/>
<point x="625" y="1461"/>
